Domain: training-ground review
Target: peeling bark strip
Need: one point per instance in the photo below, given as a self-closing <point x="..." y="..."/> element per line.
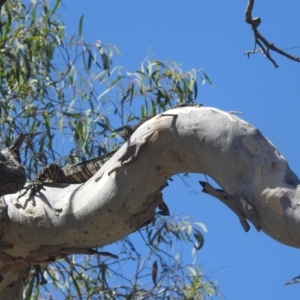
<point x="255" y="179"/>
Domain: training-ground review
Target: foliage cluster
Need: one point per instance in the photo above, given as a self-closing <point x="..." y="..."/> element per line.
<point x="55" y="88"/>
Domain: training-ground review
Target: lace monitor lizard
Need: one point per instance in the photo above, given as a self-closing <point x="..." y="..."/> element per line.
<point x="81" y="172"/>
<point x="76" y="173"/>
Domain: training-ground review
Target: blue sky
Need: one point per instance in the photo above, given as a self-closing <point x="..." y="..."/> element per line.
<point x="213" y="35"/>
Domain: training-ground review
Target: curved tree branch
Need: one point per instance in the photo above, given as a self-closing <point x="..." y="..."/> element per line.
<point x="12" y="179"/>
<point x="255" y="179"/>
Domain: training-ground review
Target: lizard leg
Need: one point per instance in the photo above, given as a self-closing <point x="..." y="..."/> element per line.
<point x="32" y="188"/>
<point x="50" y="173"/>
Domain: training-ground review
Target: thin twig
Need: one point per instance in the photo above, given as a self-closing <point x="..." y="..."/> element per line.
<point x="259" y="40"/>
<point x="292" y="282"/>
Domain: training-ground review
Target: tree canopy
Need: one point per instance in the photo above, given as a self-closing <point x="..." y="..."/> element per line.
<point x="57" y="88"/>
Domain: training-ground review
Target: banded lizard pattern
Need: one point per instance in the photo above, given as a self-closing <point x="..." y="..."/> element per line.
<point x="76" y="173"/>
<point x="81" y="172"/>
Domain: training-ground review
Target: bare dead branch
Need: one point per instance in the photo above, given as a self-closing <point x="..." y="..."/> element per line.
<point x="294" y="281"/>
<point x="264" y="45"/>
<point x="266" y="53"/>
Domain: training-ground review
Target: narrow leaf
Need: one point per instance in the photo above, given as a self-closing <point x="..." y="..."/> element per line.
<point x="199" y="240"/>
<point x="195" y="90"/>
<point x="55" y="7"/>
<point x="80" y="25"/>
<point x="208" y="79"/>
<point x="154" y="272"/>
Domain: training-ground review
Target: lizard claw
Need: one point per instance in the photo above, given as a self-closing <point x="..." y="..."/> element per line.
<point x="32" y="188"/>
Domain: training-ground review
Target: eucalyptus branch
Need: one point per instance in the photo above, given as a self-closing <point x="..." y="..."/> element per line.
<point x="264" y="45"/>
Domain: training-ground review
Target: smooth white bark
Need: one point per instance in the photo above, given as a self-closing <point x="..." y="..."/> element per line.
<point x="256" y="182"/>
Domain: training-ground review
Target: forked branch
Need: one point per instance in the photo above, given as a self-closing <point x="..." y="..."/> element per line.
<point x="264" y="45"/>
